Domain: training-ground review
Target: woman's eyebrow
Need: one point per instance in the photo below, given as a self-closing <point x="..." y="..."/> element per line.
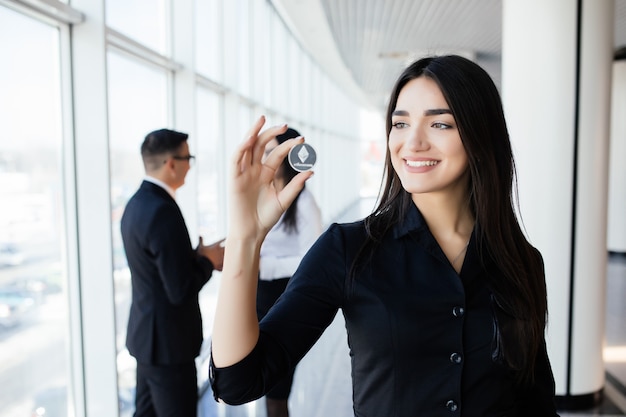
<point x="429" y="112"/>
<point x="434" y="112"/>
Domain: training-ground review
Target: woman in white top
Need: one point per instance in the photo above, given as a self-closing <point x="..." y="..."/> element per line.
<point x="281" y="253"/>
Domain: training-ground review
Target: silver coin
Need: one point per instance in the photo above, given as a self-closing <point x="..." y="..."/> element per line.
<point x="302" y="157"/>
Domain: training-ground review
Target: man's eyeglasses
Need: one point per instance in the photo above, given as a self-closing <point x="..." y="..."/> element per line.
<point x="188" y="158"/>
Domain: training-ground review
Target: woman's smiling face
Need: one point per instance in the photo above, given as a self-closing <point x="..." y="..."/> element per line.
<point x="424" y="142"/>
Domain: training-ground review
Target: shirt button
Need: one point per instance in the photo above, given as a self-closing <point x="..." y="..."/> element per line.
<point x="456" y="358"/>
<point x="458" y="311"/>
<point x="452" y="406"/>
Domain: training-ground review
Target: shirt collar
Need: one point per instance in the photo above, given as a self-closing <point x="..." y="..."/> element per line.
<point x="412" y="221"/>
<point x="414" y="225"/>
<point x="161" y="184"/>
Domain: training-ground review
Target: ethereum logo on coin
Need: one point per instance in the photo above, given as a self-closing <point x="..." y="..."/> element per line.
<point x="302" y="157"/>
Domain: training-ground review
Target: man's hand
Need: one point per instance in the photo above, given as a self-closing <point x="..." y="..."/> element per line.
<point x="214" y="251"/>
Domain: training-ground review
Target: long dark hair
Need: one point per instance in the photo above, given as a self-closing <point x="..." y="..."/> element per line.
<point x="477" y="109"/>
<point x="286" y="173"/>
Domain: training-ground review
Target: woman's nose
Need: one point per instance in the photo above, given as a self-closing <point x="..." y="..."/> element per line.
<point x="417" y="139"/>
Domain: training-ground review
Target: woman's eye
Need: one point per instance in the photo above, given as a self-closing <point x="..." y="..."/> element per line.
<point x="399" y="125"/>
<point x="440" y="125"/>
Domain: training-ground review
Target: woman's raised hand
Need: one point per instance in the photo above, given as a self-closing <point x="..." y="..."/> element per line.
<point x="255" y="206"/>
<point x="255" y="203"/>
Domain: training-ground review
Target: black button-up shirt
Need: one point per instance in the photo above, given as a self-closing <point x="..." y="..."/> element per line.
<point x="423" y="339"/>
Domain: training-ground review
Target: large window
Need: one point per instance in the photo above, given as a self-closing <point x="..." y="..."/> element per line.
<point x="72" y="125"/>
<point x="34" y="307"/>
<point x="145" y="21"/>
<point x="137" y="105"/>
<point x="210" y="165"/>
<point x="209" y="30"/>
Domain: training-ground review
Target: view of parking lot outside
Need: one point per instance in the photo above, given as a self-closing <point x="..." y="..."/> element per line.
<point x="34" y="325"/>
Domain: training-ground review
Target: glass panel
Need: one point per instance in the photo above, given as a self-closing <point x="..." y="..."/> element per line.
<point x="307" y="89"/>
<point x="230" y="37"/>
<point x="209" y="39"/>
<point x="137" y="105"/>
<point x="243" y="48"/>
<point x="260" y="50"/>
<point x="293" y="81"/>
<point x="209" y="134"/>
<point x="142" y="20"/>
<point x="280" y="64"/>
<point x="34" y="305"/>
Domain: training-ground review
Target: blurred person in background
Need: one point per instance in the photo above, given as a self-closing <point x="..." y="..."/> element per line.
<point x="281" y="253"/>
<point x="165" y="325"/>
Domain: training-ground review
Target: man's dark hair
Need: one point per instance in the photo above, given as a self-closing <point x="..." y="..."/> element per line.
<point x="160" y="144"/>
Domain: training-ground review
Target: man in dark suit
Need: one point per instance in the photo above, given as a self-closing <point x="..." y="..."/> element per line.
<point x="165" y="326"/>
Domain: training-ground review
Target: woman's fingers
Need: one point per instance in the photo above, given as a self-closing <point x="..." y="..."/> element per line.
<point x="264" y="138"/>
<point x="243" y="156"/>
<point x="293" y="187"/>
<point x="253" y="133"/>
<point x="251" y="151"/>
<point x="278" y="154"/>
<point x="256" y="201"/>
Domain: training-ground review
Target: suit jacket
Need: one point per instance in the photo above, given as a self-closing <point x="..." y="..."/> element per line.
<point x="165" y="324"/>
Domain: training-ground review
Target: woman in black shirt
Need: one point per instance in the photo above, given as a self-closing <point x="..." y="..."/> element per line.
<point x="444" y="298"/>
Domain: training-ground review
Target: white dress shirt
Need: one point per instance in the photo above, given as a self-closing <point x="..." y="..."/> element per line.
<point x="281" y="251"/>
<point x="161" y="184"/>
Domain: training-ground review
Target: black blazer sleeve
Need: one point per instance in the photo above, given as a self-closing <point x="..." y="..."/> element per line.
<point x="292" y="326"/>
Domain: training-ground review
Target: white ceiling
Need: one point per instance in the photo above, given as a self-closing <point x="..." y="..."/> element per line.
<point x="364" y="44"/>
